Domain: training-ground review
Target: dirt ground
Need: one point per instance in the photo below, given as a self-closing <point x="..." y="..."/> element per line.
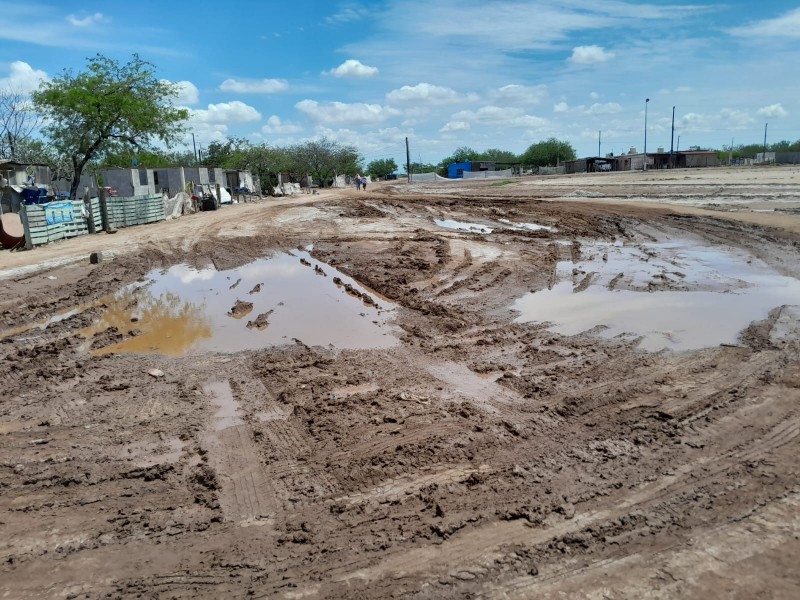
<point x="478" y="456"/>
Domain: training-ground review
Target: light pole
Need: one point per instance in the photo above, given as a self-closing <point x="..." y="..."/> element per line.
<point x="646" y="102"/>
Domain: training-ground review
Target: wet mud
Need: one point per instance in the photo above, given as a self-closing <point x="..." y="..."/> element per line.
<point x="427" y="394"/>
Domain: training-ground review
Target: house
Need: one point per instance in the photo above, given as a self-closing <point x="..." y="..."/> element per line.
<point x="456" y="170"/>
<point x="140" y="181"/>
<point x="779" y="158"/>
<point x="243" y="181"/>
<point x="22" y="181"/>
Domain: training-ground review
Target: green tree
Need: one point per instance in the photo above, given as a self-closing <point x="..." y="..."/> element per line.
<point x="106" y="107"/>
<point x="18" y="120"/>
<point x="381" y="167"/>
<point x="420" y="167"/>
<point x="323" y="159"/>
<point x="549" y="152"/>
<point x="496" y="155"/>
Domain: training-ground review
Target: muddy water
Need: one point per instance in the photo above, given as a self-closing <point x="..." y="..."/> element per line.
<point x="183" y="310"/>
<point x="462" y="226"/>
<point x="676" y="295"/>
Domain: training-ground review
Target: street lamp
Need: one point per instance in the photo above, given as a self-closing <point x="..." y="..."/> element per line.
<point x="646" y="102"/>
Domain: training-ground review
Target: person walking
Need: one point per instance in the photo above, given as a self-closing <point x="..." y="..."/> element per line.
<point x="358" y="182"/>
<point x="364" y="182"/>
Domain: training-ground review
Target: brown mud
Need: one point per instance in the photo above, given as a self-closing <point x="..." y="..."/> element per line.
<point x="478" y="457"/>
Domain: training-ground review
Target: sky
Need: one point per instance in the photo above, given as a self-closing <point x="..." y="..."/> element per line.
<point x="444" y="74"/>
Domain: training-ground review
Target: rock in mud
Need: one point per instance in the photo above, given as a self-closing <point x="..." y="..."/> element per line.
<point x="240" y="309"/>
<point x="260" y="322"/>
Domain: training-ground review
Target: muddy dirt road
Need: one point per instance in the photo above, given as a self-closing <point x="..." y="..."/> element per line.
<point x="555" y="388"/>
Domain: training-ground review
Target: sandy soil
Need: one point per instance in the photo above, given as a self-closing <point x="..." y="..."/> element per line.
<point x="478" y="457"/>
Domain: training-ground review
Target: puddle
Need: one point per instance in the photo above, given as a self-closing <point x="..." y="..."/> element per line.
<point x="676" y="295"/>
<point x="462" y="226"/>
<point x="269" y="302"/>
<point x="528" y="226"/>
<point x="221" y="396"/>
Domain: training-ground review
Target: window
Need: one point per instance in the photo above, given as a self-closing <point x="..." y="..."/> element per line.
<point x="143" y="177"/>
<point x="459" y="172"/>
<point x="155" y="177"/>
<point x="211" y="175"/>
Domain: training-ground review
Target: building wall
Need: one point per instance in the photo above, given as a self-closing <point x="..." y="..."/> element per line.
<point x="706" y="159"/>
<point x="455" y="170"/>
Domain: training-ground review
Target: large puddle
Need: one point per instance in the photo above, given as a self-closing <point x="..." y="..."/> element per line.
<point x="269" y="302"/>
<point x="675" y="295"/>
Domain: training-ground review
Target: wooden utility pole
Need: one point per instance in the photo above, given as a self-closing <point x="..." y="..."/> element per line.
<point x="408" y="161"/>
<point x="765" y="141"/>
<point x="599" y="137"/>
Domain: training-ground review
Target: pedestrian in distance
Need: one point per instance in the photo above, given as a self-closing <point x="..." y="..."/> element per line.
<point x="358" y="182"/>
<point x="364" y="182"/>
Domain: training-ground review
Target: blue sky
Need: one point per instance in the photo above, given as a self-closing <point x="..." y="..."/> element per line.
<point x="492" y="74"/>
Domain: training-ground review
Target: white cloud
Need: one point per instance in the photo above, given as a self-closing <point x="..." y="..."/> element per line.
<point x="352" y="69"/>
<point x="590" y="55"/>
<point x="256" y="86"/>
<point x="275" y="125"/>
<point x="519" y="94"/>
<point x="736" y="118"/>
<point x="347" y="15"/>
<point x="608" y="108"/>
<point x="787" y="26"/>
<point x="354" y="114"/>
<point x="22" y="78"/>
<point x="498" y="116"/>
<point x="561" y="107"/>
<point x="423" y="93"/>
<point x="187" y="92"/>
<point x="455" y="126"/>
<point x="594" y="95"/>
<point x="225" y="113"/>
<point x="87" y="21"/>
<point x="772" y="111"/>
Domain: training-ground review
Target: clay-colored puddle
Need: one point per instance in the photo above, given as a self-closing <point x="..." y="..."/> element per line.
<point x="183" y="310"/>
<point x="462" y="226"/>
<point x="677" y="295"/>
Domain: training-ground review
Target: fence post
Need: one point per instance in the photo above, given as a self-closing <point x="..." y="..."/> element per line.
<point x="104" y="209"/>
<point x="23" y="216"/>
<point x="219" y="197"/>
<point x="87" y="203"/>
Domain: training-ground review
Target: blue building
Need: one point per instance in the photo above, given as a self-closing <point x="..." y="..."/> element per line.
<point x="456" y="170"/>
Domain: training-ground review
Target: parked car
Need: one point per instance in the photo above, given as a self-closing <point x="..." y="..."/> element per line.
<point x="602" y="165"/>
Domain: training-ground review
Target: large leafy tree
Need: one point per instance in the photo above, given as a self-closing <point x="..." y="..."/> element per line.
<point x="382" y="167"/>
<point x="324" y="158"/>
<point x="549" y="152"/>
<point x="17" y="121"/>
<point x="106" y="107"/>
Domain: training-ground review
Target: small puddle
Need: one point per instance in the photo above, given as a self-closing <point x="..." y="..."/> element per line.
<point x="676" y="295"/>
<point x="269" y="302"/>
<point x="528" y="226"/>
<point x="462" y="226"/>
<point x="221" y="396"/>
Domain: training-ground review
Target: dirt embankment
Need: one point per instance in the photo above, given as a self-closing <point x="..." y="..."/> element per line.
<point x="478" y="457"/>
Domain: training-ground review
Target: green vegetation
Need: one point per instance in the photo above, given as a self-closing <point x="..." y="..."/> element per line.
<point x="501" y="183"/>
<point x="550" y="152"/>
<point x="106" y="108"/>
<point x="382" y="167"/>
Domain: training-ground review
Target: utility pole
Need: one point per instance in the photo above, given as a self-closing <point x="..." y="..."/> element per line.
<point x="730" y="154"/>
<point x="194" y="145"/>
<point x="765" y="141"/>
<point x="646" y="102"/>
<point x="672" y="141"/>
<point x="408" y="161"/>
<point x="599" y="136"/>
<point x="678" y="147"/>
<point x="672" y="136"/>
